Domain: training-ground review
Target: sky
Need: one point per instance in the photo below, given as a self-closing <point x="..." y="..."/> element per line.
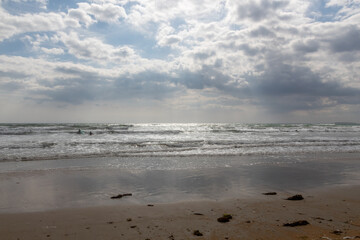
<point x="122" y="61"/>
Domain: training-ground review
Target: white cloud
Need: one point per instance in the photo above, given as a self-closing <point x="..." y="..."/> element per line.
<point x="80" y="15"/>
<point x="55" y="51"/>
<point x="106" y="12"/>
<point x="94" y="49"/>
<point x="11" y="25"/>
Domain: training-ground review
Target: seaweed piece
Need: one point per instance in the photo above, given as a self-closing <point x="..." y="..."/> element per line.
<point x="121" y="195"/>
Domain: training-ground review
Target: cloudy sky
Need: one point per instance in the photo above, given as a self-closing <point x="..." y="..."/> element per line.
<point x="179" y="60"/>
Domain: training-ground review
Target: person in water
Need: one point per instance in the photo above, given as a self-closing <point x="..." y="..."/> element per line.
<point x="79" y="131"/>
<point x="90" y="133"/>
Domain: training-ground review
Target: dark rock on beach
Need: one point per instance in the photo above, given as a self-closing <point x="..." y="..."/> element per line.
<point x="297" y="223"/>
<point x="270" y="193"/>
<point x="197" y="233"/>
<point x="225" y="218"/>
<point x="296" y="197"/>
<point x="121" y="195"/>
<point x="337" y="232"/>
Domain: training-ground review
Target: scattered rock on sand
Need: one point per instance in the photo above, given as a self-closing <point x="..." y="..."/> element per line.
<point x="121" y="195"/>
<point x="337" y="232"/>
<point x="197" y="233"/>
<point x="295" y="197"/>
<point x="297" y="223"/>
<point x="225" y="218"/>
<point x="270" y="193"/>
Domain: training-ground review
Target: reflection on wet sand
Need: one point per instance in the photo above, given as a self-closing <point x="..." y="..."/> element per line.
<point x="62" y="188"/>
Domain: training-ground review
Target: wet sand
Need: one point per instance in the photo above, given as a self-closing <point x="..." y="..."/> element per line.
<point x="333" y="213"/>
<point x="50" y="185"/>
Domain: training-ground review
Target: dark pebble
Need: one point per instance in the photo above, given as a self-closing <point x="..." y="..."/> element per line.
<point x="297" y="223"/>
<point x="295" y="197"/>
<point x="337" y="232"/>
<point x="198" y="214"/>
<point x="225" y="218"/>
<point x="197" y="233"/>
<point x="270" y="193"/>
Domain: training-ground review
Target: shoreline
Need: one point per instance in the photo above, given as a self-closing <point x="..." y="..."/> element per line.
<point x="332" y="213"/>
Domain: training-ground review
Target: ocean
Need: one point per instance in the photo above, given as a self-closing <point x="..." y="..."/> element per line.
<point x="33" y="142"/>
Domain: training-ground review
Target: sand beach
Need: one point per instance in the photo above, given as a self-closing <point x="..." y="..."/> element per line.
<point x="76" y="203"/>
<point x="332" y="214"/>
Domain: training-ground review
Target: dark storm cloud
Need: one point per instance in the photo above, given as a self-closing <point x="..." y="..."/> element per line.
<point x="11" y="86"/>
<point x="249" y="50"/>
<point x="281" y="88"/>
<point x="203" y="55"/>
<point x="262" y="32"/>
<point x="76" y="71"/>
<point x="259" y="11"/>
<point x="13" y="75"/>
<point x="88" y="87"/>
<point x="286" y="88"/>
<point x="347" y="40"/>
<point x="68" y="90"/>
<point x="207" y="77"/>
<point x="16" y="82"/>
<point x="145" y="85"/>
<point x="309" y="46"/>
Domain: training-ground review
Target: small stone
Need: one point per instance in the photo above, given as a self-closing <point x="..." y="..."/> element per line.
<point x="337" y="232"/>
<point x="129" y="219"/>
<point x="225" y="218"/>
<point x="296" y="197"/>
<point x="297" y="223"/>
<point x="270" y="193"/>
<point x="197" y="233"/>
<point x="150" y="205"/>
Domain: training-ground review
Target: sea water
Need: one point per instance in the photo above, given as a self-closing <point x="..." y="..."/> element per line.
<point x="32" y="142"/>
